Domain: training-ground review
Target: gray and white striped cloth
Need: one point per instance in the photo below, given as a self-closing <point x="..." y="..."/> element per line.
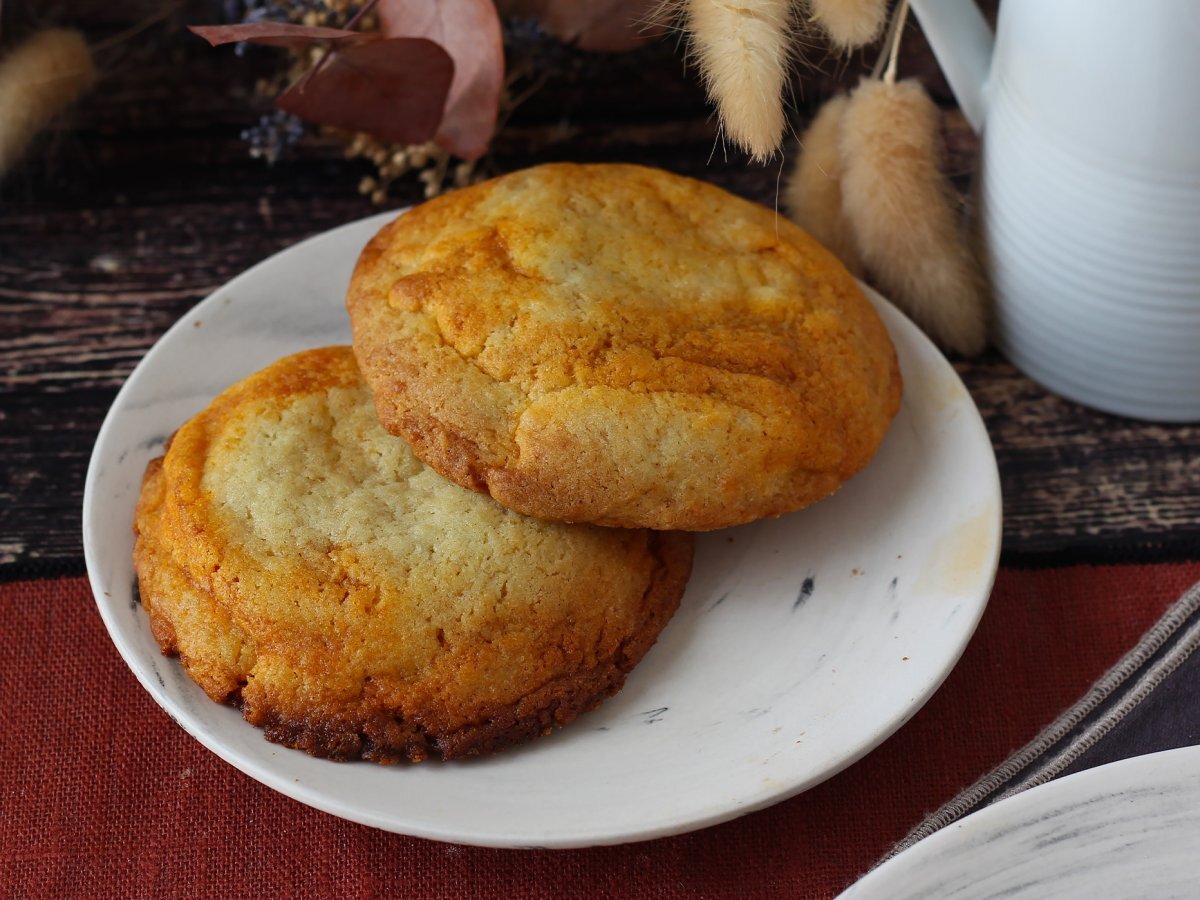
<point x="1145" y="703"/>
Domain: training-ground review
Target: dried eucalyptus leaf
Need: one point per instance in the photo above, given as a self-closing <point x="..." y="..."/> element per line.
<point x="469" y="30"/>
<point x="394" y="89"/>
<point x="275" y="34"/>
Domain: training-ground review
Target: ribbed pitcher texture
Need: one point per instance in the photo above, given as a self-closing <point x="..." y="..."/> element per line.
<point x="1090" y="192"/>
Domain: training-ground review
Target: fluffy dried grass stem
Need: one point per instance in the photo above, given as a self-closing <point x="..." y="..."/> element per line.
<point x="743" y="47"/>
<point x="902" y="213"/>
<point x="813" y="195"/>
<point x="850" y="24"/>
<point x="38" y="79"/>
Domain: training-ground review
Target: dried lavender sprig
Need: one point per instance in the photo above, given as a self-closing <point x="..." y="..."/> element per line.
<point x="526" y="40"/>
<point x="273" y="135"/>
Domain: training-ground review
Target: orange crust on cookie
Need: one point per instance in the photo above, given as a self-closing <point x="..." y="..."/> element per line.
<point x="622" y="346"/>
<point x="308" y="569"/>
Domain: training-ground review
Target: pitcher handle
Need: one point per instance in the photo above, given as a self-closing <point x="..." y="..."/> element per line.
<point x="963" y="42"/>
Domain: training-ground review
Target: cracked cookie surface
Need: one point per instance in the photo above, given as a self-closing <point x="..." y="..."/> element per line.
<point x="622" y="346"/>
<point x="307" y="567"/>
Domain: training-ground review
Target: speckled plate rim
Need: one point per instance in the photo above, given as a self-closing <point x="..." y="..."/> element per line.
<point x="1013" y="839"/>
<point x="935" y="399"/>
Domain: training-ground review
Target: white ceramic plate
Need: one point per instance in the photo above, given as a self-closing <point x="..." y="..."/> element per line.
<point x="800" y="645"/>
<point x="1126" y="829"/>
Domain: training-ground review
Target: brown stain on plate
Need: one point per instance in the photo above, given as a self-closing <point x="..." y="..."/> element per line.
<point x="960" y="555"/>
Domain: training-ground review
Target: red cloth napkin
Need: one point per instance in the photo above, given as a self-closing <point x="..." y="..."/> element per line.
<point x="102" y="795"/>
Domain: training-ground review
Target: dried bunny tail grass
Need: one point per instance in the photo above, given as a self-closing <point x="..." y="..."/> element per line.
<point x="902" y="214"/>
<point x="813" y="195"/>
<point x="850" y="24"/>
<point x="744" y="47"/>
<point x="38" y="79"/>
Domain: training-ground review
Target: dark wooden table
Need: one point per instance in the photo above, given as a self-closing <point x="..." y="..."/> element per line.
<point x="144" y="200"/>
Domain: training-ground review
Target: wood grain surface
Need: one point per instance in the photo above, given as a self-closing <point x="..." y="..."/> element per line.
<point x="144" y="200"/>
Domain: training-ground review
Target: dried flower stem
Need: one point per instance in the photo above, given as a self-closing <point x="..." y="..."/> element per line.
<point x="885" y="66"/>
<point x="165" y="11"/>
<point x="328" y="49"/>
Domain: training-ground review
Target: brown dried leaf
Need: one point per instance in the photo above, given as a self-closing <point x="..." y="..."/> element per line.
<point x="394" y="89"/>
<point x="604" y="26"/>
<point x="521" y="9"/>
<point x="469" y="30"/>
<point x="275" y="34"/>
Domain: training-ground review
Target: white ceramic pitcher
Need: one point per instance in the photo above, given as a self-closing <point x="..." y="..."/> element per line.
<point x="1090" y="190"/>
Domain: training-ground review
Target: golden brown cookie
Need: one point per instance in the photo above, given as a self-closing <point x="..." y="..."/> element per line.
<point x="306" y="566"/>
<point x="623" y="346"/>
